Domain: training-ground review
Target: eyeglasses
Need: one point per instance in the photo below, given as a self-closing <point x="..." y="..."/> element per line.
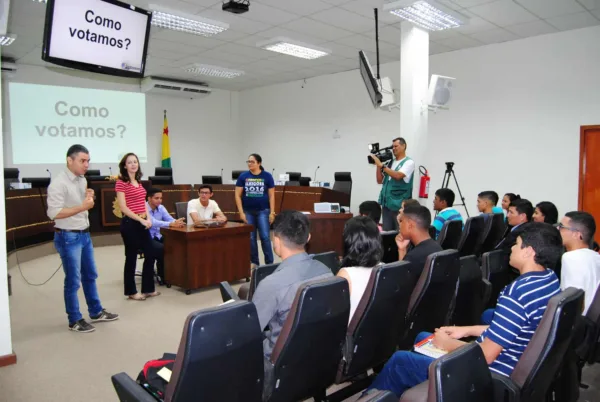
<point x="250" y="162"/>
<point x="560" y="226"/>
<point x="204" y="192"/>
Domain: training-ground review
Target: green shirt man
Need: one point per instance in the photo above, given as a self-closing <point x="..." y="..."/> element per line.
<point x="396" y="178"/>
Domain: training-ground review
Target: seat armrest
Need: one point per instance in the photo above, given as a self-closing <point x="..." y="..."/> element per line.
<point x="227" y="292"/>
<point x="244" y="291"/>
<point x="130" y="391"/>
<point x="416" y="394"/>
<point x="505" y="390"/>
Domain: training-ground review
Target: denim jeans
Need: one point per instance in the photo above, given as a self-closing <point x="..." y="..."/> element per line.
<point x="260" y="220"/>
<point x="487" y="316"/>
<point x="390" y="219"/>
<point x="77" y="255"/>
<point x="137" y="238"/>
<point x="403" y="370"/>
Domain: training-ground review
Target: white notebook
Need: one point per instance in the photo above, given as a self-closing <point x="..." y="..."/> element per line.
<point x="427" y="348"/>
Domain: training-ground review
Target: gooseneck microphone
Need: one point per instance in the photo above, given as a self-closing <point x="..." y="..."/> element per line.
<point x="221" y="175"/>
<point x="318" y="167"/>
<point x="110" y="170"/>
<point x="273" y="172"/>
<point x="49" y="174"/>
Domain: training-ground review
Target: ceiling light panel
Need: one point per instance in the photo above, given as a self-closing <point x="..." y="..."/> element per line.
<point x="426" y="14"/>
<point x="188" y="23"/>
<point x="7" y="40"/>
<point x="293" y="48"/>
<point x="213" y="71"/>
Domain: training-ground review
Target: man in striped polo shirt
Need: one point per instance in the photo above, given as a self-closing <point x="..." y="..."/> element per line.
<point x="518" y="313"/>
<point x="442" y="203"/>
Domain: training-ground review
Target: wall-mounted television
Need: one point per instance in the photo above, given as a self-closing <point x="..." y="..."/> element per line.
<point x="102" y="36"/>
<point x="369" y="78"/>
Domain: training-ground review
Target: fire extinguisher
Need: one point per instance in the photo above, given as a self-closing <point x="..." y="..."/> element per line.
<point x="424" y="186"/>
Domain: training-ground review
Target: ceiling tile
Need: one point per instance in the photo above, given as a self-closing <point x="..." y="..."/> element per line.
<point x="188" y="39"/>
<point x="531" y="29"/>
<point x="341" y="50"/>
<point x="365" y="7"/>
<point x="344" y="19"/>
<point x="364" y="42"/>
<point x="445" y="34"/>
<point x="590" y="4"/>
<point x="251" y="40"/>
<point x="475" y="24"/>
<point x="459" y="42"/>
<point x="494" y="36"/>
<point x="236" y="22"/>
<point x="204" y="59"/>
<point x="160" y="44"/>
<point x="249" y="51"/>
<point x="175" y="5"/>
<point x="574" y="21"/>
<point x="231" y="36"/>
<point x="316" y="28"/>
<point x="551" y="8"/>
<point x="503" y="13"/>
<point x="228" y="57"/>
<point x="435" y="48"/>
<point x="303" y="7"/>
<point x="470" y="3"/>
<point x="336" y="2"/>
<point x="596" y="13"/>
<point x="165" y="54"/>
<point x="203" y="3"/>
<point x="387" y="33"/>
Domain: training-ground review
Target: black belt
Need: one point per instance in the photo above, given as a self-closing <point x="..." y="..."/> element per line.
<point x="71" y="231"/>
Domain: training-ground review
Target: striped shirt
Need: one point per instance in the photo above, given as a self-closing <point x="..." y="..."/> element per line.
<point x="446" y="214"/>
<point x="135" y="197"/>
<point x="517" y="315"/>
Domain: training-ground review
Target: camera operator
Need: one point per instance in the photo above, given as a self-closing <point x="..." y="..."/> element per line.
<point x="396" y="176"/>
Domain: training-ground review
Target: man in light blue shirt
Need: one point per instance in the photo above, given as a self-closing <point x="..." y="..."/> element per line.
<point x="442" y="203"/>
<point x="160" y="218"/>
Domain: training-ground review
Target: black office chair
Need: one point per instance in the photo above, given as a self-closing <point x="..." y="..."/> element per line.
<point x="162" y="171"/>
<point x="496" y="270"/>
<point x="11" y="175"/>
<point x="93" y="172"/>
<point x="294" y="176"/>
<point x="212" y="180"/>
<point x="473" y="293"/>
<point x="431" y="231"/>
<point x="236" y="173"/>
<point x="97" y="178"/>
<point x="390" y="248"/>
<point x="470" y="240"/>
<point x="330" y="259"/>
<point x="181" y="210"/>
<point x="161" y="180"/>
<point x="450" y="235"/>
<point x="493" y="233"/>
<point x="343" y="182"/>
<point x="37" y="182"/>
<point x="304" y="181"/>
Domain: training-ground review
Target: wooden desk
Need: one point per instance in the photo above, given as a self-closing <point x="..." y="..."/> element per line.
<point x="196" y="258"/>
<point x="326" y="233"/>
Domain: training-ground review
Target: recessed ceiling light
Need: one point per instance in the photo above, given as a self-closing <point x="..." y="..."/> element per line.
<point x="293" y="48"/>
<point x="7" y="40"/>
<point x="426" y="14"/>
<point x="212" y="71"/>
<point x="178" y="21"/>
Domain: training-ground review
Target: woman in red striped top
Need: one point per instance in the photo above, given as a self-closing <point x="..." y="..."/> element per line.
<point x="131" y="197"/>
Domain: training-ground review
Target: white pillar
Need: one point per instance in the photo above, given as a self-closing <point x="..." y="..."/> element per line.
<point x="5" y="337"/>
<point x="414" y="82"/>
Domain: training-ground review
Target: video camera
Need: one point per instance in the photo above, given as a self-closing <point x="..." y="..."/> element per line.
<point x="384" y="154"/>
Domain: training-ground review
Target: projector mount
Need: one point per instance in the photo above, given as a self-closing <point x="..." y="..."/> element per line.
<point x="236" y="6"/>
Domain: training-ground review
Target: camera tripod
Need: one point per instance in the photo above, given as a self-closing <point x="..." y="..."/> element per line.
<point x="446" y="181"/>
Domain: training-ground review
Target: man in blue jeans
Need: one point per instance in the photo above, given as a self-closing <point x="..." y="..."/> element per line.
<point x="69" y="200"/>
<point x="520" y="307"/>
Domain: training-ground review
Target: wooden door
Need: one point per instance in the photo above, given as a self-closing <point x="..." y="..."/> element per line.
<point x="589" y="174"/>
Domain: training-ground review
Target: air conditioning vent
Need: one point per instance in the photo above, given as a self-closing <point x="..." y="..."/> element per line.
<point x="162" y="86"/>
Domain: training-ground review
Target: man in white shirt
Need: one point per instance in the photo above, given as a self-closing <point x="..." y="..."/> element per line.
<point x="203" y="208"/>
<point x="580" y="265"/>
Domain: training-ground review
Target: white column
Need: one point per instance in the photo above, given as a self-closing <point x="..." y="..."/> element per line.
<point x="414" y="82"/>
<point x="5" y="337"/>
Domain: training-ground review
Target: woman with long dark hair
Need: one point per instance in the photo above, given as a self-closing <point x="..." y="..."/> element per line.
<point x="547" y="212"/>
<point x="255" y="200"/>
<point x="362" y="252"/>
<point x="508" y="198"/>
<point x="131" y="197"/>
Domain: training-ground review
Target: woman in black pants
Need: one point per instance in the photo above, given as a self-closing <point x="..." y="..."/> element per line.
<point x="131" y="197"/>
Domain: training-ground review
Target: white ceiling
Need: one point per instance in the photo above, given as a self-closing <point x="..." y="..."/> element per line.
<point x="344" y="26"/>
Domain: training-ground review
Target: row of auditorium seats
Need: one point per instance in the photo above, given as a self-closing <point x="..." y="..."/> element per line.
<point x="319" y="346"/>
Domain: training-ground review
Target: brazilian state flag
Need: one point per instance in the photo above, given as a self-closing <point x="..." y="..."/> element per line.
<point x="166" y="149"/>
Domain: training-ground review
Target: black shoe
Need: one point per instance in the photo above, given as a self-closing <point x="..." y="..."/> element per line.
<point x="82" y="326"/>
<point x="105" y="316"/>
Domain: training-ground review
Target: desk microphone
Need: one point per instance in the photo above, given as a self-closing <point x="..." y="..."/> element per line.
<point x="315" y="179"/>
<point x="49" y="174"/>
<point x="273" y="172"/>
<point x="221" y="175"/>
<point x="110" y="170"/>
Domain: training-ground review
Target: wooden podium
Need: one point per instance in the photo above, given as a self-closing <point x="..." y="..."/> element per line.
<point x="196" y="258"/>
